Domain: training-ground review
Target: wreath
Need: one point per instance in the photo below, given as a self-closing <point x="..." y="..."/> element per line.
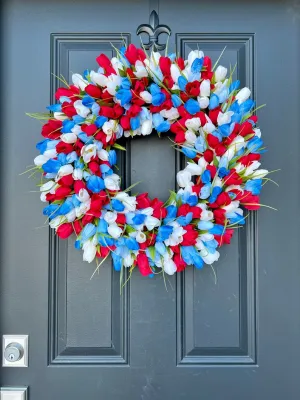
<point x="214" y="126"/>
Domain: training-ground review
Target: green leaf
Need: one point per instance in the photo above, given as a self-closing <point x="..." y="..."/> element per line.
<point x="132" y="186"/>
<point x="152" y="252"/>
<point x="129" y="229"/>
<point x="119" y="147"/>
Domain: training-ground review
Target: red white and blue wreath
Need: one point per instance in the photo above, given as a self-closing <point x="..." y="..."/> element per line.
<point x="214" y="125"/>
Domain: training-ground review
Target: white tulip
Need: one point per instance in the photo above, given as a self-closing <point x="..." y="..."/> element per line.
<point x="83" y="208"/>
<point x="65" y="170"/>
<point x="83" y="195"/>
<point x="224" y="118"/>
<point x="128" y="260"/>
<point x="243" y="95"/>
<point x="116" y="63"/>
<point x="88" y="152"/>
<point x="81" y="110"/>
<point x="112" y="83"/>
<point x="103" y="155"/>
<point x="146" y="127"/>
<point x="208" y="257"/>
<point x="190" y="137"/>
<point x="49" y="186"/>
<point x="110" y="217"/>
<point x="206" y="237"/>
<point x="128" y="201"/>
<point x="99" y="79"/>
<point x="175" y="72"/>
<point x="78" y="174"/>
<point x="193" y="169"/>
<point x="51" y="153"/>
<point x="146" y="96"/>
<point x="220" y="73"/>
<point x="193" y="123"/>
<point x="89" y="251"/>
<point x="60" y="116"/>
<point x="193" y="55"/>
<point x="114" y="230"/>
<point x="177" y="235"/>
<point x="169" y="266"/>
<point x="71" y="215"/>
<point x="184" y="178"/>
<point x="205" y="88"/>
<point x="40" y="160"/>
<point x="79" y="81"/>
<point x="112" y="182"/>
<point x="109" y="127"/>
<point x="141" y="71"/>
<point x="257" y="132"/>
<point x="260" y="173"/>
<point x="171" y="114"/>
<point x="55" y="222"/>
<point x="140" y="237"/>
<point x="151" y="222"/>
<point x="68" y="137"/>
<point x="203" y="102"/>
<point x="250" y="169"/>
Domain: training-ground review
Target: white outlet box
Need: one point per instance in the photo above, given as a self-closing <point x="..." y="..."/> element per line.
<point x="23" y="341"/>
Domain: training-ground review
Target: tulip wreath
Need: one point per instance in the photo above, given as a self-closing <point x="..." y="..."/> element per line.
<point x="214" y="126"/>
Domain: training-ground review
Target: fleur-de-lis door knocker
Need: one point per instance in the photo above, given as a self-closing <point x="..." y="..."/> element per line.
<point x="153" y="30"/>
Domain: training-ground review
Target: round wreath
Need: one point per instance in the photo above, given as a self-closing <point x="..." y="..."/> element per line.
<point x="133" y="94"/>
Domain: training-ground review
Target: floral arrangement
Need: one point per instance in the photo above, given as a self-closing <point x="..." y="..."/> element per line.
<point x="214" y="126"/>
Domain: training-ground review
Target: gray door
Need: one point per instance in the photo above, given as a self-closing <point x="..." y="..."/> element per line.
<point x="234" y="339"/>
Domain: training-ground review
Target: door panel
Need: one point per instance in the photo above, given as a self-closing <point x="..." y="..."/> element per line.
<point x="230" y="337"/>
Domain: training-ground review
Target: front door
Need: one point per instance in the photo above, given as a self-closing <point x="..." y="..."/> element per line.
<point x="230" y="338"/>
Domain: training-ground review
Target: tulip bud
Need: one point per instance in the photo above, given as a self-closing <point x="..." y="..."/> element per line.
<point x="184" y="178"/>
<point x="220" y="73"/>
<point x="205" y="88"/>
<point x="243" y="95"/>
<point x="146" y="96"/>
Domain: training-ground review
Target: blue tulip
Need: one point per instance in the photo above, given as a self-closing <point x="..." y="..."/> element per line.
<point x="254" y="186"/>
<point x="117" y="261"/>
<point x="102" y="226"/>
<point x="95" y="184"/>
<point x="112" y="157"/>
<point x="176" y="100"/>
<point x="182" y="82"/>
<point x="189" y="152"/>
<point x="200" y="144"/>
<point x="132" y="244"/>
<point x="197" y="65"/>
<point x="99" y="122"/>
<point x="88" y="101"/>
<point x="205" y="225"/>
<point x="160" y="248"/>
<point x="164" y="232"/>
<point x="51" y="166"/>
<point x="67" y="126"/>
<point x="54" y="107"/>
<point x="139" y="219"/>
<point x="134" y="123"/>
<point x="217" y="230"/>
<point x="124" y="95"/>
<point x="213" y="102"/>
<point x="163" y="127"/>
<point x="88" y="231"/>
<point x="192" y="106"/>
<point x="205" y="191"/>
<point x="206" y="177"/>
<point x="214" y="194"/>
<point x="117" y="205"/>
